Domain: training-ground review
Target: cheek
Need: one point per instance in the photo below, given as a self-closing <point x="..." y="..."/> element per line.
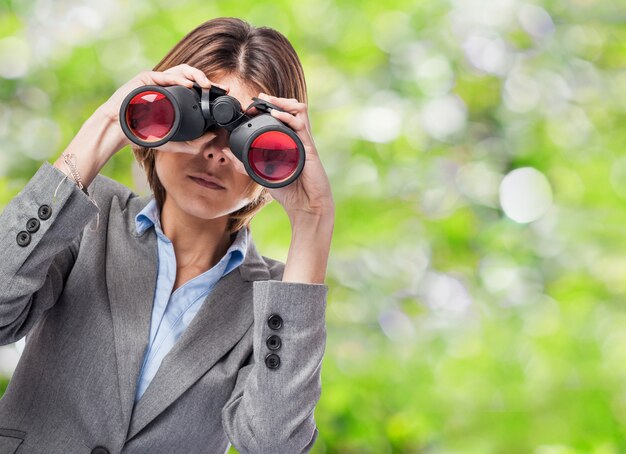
<point x="244" y="185"/>
<point x="161" y="170"/>
<point x="248" y="190"/>
<point x="167" y="168"/>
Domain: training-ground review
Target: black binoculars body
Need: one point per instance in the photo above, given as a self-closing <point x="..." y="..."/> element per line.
<point x="271" y="152"/>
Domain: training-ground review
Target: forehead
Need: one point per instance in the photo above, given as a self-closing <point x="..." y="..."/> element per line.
<point x="237" y="89"/>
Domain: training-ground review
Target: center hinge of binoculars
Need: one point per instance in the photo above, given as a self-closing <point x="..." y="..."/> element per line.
<point x="228" y="108"/>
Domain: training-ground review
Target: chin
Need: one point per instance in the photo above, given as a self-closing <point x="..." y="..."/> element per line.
<point x="203" y="209"/>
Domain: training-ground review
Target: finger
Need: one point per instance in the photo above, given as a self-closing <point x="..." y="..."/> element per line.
<point x="195" y="74"/>
<point x="295" y="123"/>
<point x="291" y="105"/>
<point x="164" y="78"/>
<point x="190" y="73"/>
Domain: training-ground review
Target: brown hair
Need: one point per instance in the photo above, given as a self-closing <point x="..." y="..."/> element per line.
<point x="261" y="57"/>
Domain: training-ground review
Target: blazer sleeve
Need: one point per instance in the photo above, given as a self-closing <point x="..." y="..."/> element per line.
<point x="271" y="408"/>
<point x="39" y="241"/>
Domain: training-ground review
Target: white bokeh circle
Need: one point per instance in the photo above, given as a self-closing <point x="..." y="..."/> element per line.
<point x="525" y="194"/>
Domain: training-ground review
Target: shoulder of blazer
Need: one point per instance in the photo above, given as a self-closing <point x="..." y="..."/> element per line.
<point x="103" y="188"/>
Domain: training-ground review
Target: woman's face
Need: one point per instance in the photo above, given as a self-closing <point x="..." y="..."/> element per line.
<point x="177" y="162"/>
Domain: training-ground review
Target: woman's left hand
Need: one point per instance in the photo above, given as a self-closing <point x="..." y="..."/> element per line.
<point x="310" y="194"/>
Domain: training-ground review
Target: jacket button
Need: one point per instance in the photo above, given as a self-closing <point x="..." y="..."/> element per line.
<point x="23" y="238"/>
<point x="44" y="212"/>
<point x="274" y="321"/>
<point x="32" y="225"/>
<point x="99" y="450"/>
<point x="272" y="361"/>
<point x="273" y="342"/>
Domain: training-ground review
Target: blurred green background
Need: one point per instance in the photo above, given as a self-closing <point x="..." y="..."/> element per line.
<point x="475" y="149"/>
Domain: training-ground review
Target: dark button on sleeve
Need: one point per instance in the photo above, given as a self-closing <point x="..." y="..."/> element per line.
<point x="273" y="342"/>
<point x="44" y="212"/>
<point x="32" y="225"/>
<point x="23" y="238"/>
<point x="275" y="322"/>
<point x="272" y="361"/>
<point x="99" y="450"/>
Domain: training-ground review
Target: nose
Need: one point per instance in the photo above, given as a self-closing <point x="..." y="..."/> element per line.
<point x="218" y="149"/>
<point x="218" y="154"/>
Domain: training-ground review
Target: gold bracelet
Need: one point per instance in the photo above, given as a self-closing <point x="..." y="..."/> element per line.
<point x="68" y="160"/>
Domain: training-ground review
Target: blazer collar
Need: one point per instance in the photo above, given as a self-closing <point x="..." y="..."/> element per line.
<point x="131" y="274"/>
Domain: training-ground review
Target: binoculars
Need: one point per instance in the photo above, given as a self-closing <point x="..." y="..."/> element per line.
<point x="271" y="152"/>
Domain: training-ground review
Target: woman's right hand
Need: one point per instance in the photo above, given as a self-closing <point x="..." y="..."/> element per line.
<point x="101" y="136"/>
<point x="177" y="75"/>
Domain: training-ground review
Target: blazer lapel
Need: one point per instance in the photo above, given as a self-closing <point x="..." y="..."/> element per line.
<point x="223" y="319"/>
<point x="131" y="274"/>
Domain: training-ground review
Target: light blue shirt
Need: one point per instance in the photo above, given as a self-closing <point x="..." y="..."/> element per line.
<point x="172" y="312"/>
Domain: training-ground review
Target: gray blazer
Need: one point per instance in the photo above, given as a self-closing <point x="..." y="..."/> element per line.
<point x="83" y="299"/>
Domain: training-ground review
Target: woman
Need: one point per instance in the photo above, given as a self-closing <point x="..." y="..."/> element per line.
<point x="162" y="330"/>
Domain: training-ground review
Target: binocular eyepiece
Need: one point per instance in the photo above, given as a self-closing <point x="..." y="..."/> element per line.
<point x="271" y="152"/>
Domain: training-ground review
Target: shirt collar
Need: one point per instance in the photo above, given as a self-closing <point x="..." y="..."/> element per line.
<point x="150" y="216"/>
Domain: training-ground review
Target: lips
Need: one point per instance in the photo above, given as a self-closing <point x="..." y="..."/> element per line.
<point x="207" y="182"/>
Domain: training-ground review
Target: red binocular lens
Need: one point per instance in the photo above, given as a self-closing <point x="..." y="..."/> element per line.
<point x="150" y="116"/>
<point x="273" y="155"/>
